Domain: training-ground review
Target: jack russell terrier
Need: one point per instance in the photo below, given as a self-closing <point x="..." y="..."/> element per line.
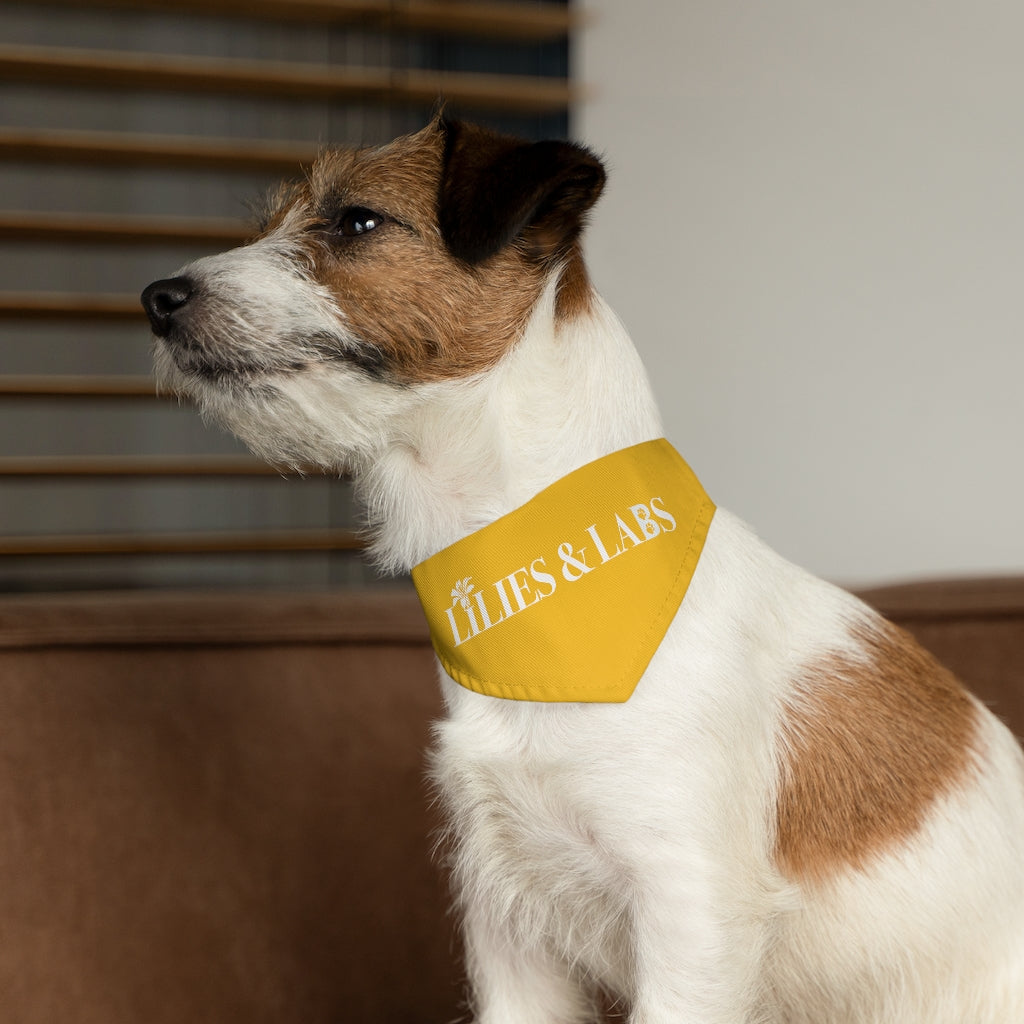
<point x="678" y="771"/>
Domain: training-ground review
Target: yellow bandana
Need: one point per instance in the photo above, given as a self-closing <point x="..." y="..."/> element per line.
<point x="567" y="597"/>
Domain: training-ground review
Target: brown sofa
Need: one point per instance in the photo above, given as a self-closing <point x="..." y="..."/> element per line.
<point x="212" y="806"/>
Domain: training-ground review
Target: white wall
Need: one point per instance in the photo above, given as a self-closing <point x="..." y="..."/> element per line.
<point x="814" y="229"/>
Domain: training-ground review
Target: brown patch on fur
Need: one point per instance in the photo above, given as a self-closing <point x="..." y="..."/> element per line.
<point x="575" y="293"/>
<point x="427" y="315"/>
<point x="869" y="746"/>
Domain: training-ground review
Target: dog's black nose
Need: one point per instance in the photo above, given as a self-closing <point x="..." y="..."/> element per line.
<point x="163" y="299"/>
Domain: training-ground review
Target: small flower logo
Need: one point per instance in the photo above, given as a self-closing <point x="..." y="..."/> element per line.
<point x="461" y="592"/>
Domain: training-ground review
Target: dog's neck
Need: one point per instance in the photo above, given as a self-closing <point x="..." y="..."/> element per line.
<point x="470" y="451"/>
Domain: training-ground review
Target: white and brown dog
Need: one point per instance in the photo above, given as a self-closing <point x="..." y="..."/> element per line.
<point x="798" y="816"/>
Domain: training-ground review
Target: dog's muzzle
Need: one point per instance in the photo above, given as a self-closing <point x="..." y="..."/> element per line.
<point x="164" y="302"/>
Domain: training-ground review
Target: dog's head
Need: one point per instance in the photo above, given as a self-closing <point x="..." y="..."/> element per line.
<point x="386" y="271"/>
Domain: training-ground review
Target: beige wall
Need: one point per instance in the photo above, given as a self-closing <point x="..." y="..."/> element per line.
<point x="815" y="232"/>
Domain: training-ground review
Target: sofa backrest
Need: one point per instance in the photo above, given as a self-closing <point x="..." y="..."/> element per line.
<point x="213" y="809"/>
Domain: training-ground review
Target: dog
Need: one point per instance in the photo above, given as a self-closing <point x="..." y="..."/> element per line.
<point x="795" y="815"/>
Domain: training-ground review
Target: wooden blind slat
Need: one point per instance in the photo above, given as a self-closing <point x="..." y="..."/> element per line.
<point x="179" y="152"/>
<point x="17" y="225"/>
<point x="69" y="306"/>
<point x="236" y="542"/>
<point x="76" y="386"/>
<point x="64" y="466"/>
<point x="503" y="21"/>
<point x="485" y="18"/>
<point x="154" y="72"/>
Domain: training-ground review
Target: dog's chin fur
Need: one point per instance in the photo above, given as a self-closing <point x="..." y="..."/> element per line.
<point x="797" y="818"/>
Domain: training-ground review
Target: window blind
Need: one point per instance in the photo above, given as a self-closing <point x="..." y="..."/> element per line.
<point x="131" y="139"/>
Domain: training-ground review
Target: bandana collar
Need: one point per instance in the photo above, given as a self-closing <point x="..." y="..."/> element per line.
<point x="567" y="597"/>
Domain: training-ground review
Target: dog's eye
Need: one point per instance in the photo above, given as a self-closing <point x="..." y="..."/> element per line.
<point x="357" y="220"/>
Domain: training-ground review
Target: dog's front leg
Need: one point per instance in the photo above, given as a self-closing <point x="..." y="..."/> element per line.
<point x="512" y="982"/>
<point x="699" y="952"/>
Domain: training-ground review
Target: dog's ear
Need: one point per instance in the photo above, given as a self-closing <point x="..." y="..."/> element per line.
<point x="496" y="190"/>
